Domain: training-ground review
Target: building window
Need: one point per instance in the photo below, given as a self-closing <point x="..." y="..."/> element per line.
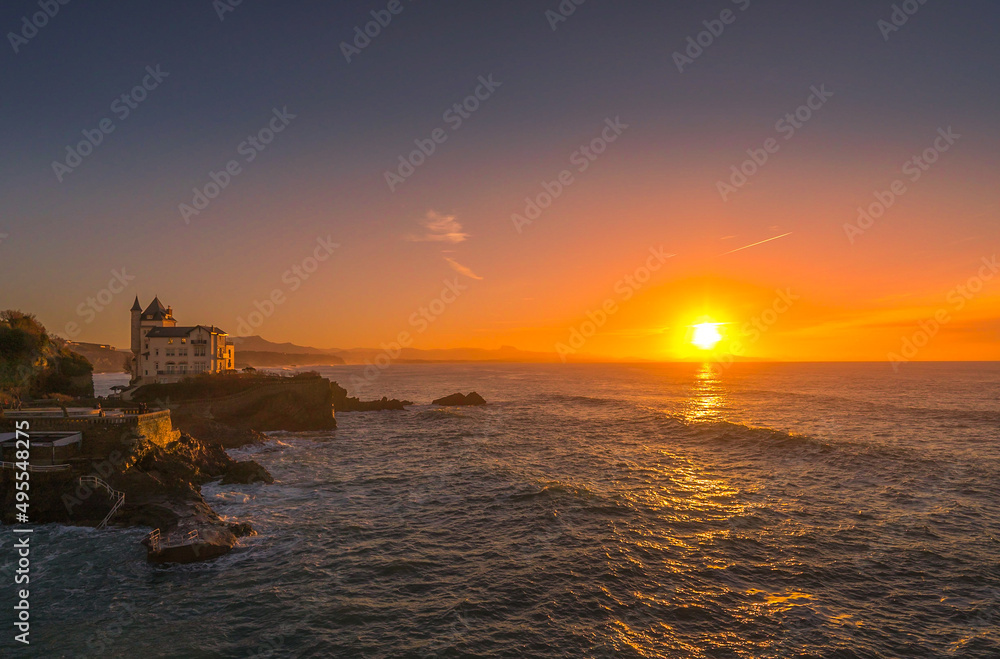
<point x="157" y="352"/>
<point x="170" y="341"/>
<point x="184" y="340"/>
<point x="199" y="351"/>
<point x="171" y="352"/>
<point x="183" y="369"/>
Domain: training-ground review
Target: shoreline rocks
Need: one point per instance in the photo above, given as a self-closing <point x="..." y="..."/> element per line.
<point x="344" y="403"/>
<point x="246" y="472"/>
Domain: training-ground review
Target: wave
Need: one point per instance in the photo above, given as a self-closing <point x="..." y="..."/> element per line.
<point x="554" y="490"/>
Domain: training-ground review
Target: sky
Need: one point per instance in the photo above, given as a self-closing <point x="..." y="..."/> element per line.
<point x="585" y="197"/>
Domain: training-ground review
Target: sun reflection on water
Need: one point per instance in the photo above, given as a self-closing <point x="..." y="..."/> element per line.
<point x="708" y="398"/>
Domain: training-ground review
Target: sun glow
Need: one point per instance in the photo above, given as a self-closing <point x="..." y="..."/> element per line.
<point x="706" y="335"/>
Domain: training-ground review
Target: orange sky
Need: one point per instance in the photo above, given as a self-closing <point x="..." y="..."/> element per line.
<point x="669" y="138"/>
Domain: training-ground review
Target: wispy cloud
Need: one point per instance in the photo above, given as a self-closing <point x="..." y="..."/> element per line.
<point x="461" y="269"/>
<point x="440" y="229"/>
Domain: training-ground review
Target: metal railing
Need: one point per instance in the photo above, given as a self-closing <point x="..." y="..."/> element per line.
<point x="154" y="540"/>
<point x="116" y="496"/>
<point x="40" y="468"/>
<point x="157" y="542"/>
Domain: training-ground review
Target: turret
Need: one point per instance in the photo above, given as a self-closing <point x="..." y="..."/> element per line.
<point x="136" y="336"/>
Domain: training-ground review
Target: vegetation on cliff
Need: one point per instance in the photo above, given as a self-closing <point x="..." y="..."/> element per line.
<point x="33" y="363"/>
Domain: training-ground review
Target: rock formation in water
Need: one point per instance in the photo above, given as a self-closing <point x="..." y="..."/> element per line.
<point x="343" y="403"/>
<point x="459" y="400"/>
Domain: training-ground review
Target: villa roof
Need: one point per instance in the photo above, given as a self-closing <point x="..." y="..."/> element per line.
<point x="155" y="310"/>
<point x="177" y="332"/>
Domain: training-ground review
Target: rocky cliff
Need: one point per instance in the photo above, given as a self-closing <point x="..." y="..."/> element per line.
<point x="161" y="481"/>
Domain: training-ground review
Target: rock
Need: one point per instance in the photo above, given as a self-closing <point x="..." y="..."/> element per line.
<point x="247" y="472"/>
<point x="196" y="534"/>
<point x="458" y="400"/>
<point x="344" y="403"/>
<point x="205" y="543"/>
<point x="224" y="435"/>
<point x="241" y="529"/>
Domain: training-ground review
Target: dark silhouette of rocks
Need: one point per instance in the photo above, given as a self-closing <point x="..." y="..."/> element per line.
<point x="344" y="403"/>
<point x="460" y="400"/>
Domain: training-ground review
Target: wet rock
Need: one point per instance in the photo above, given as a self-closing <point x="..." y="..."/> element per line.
<point x="242" y="529"/>
<point x="246" y="472"/>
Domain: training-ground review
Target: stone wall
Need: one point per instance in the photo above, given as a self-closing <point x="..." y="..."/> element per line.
<point x="102" y="435"/>
<point x="158" y="428"/>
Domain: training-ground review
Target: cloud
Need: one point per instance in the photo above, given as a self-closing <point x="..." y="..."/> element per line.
<point x="461" y="269"/>
<point x="440" y="229"/>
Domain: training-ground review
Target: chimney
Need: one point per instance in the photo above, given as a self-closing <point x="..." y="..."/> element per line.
<point x="170" y="311"/>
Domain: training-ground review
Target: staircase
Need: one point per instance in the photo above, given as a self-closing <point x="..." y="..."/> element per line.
<point x="116" y="496"/>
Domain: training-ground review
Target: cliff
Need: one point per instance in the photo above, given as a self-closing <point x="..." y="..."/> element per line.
<point x="234" y="410"/>
<point x="158" y="469"/>
<point x="34" y="364"/>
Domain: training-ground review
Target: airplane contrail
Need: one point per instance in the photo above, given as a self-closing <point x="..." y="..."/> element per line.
<point x="760" y="243"/>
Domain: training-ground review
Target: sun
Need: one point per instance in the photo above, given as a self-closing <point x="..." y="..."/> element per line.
<point x="706" y="335"/>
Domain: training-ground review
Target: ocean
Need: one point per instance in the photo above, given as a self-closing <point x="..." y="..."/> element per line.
<point x="771" y="510"/>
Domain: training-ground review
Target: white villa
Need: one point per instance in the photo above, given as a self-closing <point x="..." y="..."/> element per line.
<point x="163" y="352"/>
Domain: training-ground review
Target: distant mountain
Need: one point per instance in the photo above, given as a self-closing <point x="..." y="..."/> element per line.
<point x="302" y="355"/>
<point x="274" y="359"/>
<point x="258" y="344"/>
<point x="416" y="356"/>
